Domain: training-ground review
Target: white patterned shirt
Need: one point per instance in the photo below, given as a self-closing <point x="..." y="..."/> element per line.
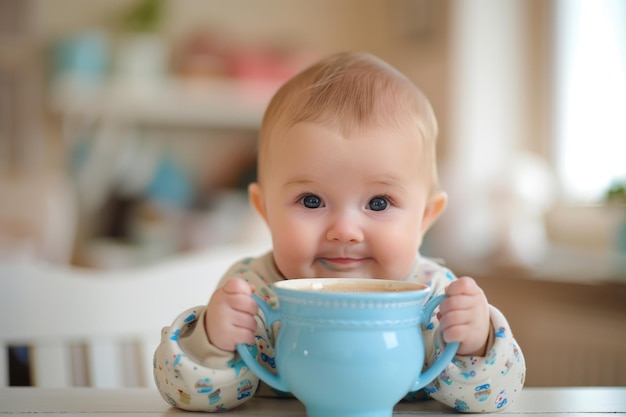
<point x="192" y="374"/>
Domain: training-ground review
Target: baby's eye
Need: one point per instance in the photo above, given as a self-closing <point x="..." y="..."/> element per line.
<point x="378" y="204"/>
<point x="311" y="201"/>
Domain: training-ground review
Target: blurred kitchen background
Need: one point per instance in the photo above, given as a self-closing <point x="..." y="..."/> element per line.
<point x="128" y="129"/>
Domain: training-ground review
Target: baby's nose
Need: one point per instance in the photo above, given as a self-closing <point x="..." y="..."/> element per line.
<point x="345" y="229"/>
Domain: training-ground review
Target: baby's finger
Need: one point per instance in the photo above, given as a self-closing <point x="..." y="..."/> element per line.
<point x="228" y="340"/>
<point x="458" y="302"/>
<point x="455" y="333"/>
<point x="454" y="318"/>
<point x="244" y="303"/>
<point x="244" y="321"/>
<point x="237" y="286"/>
<point x="243" y="335"/>
<point x="463" y="285"/>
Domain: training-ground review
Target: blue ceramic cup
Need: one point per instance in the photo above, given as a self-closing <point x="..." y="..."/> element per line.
<point x="349" y="346"/>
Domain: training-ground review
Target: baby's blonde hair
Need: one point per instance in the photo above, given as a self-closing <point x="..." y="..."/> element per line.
<point x="349" y="91"/>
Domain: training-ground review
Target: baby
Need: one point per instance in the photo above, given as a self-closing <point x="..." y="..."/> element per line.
<point x="347" y="184"/>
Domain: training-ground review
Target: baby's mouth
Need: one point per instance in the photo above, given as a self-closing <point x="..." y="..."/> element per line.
<point x="341" y="264"/>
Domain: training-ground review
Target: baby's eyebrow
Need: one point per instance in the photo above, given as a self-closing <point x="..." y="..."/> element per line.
<point x="297" y="181"/>
<point x="389" y="182"/>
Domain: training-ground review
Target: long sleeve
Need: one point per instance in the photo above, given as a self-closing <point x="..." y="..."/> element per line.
<point x="194" y="375"/>
<point x="472" y="383"/>
<point x="481" y="384"/>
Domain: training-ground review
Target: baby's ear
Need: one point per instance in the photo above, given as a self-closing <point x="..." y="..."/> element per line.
<point x="256" y="199"/>
<point x="434" y="207"/>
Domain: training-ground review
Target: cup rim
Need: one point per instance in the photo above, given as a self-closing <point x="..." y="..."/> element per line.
<point x="315" y="285"/>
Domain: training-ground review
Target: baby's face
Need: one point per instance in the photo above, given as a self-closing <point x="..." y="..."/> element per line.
<point x="344" y="206"/>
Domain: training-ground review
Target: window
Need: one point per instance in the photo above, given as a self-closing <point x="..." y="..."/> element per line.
<point x="590" y="82"/>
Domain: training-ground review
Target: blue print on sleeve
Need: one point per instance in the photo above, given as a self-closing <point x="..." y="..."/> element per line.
<point x="237" y="366"/>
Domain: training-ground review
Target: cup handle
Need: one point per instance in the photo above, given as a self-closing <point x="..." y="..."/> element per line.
<point x="247" y="355"/>
<point x="446" y="356"/>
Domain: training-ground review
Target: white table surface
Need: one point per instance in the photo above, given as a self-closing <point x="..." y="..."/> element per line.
<point x="146" y="402"/>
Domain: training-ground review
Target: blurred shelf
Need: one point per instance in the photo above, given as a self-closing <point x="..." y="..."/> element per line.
<point x="211" y="103"/>
<point x="561" y="264"/>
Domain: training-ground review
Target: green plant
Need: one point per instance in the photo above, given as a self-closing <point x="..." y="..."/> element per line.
<point x="617" y="194"/>
<point x="145" y="16"/>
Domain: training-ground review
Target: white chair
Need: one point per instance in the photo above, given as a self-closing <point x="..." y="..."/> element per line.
<point x="99" y="328"/>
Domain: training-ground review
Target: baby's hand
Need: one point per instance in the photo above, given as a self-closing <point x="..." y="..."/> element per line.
<point x="230" y="315"/>
<point x="464" y="317"/>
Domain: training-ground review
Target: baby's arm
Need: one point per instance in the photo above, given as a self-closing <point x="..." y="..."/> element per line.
<point x="193" y="375"/>
<point x="198" y="370"/>
<point x="488" y="372"/>
<point x="481" y="383"/>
